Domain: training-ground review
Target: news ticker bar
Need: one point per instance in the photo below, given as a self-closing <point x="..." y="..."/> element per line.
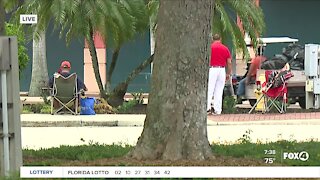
<point x="168" y="172"/>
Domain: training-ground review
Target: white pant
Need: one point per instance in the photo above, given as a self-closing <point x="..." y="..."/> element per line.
<point x="216" y="82"/>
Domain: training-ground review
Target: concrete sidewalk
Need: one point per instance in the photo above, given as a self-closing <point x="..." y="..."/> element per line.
<point x="47" y="120"/>
<point x="45" y="130"/>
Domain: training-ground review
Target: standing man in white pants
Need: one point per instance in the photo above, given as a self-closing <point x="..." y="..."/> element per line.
<point x="220" y="59"/>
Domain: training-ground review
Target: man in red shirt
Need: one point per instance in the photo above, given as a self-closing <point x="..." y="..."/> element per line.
<point x="220" y="59"/>
<point x="251" y="75"/>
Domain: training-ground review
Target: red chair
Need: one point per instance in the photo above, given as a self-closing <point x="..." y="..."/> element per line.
<point x="274" y="90"/>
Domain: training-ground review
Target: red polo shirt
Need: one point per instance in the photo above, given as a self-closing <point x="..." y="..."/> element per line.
<point x="219" y="54"/>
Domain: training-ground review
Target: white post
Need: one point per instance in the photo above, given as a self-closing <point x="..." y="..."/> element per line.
<point x="5" y="122"/>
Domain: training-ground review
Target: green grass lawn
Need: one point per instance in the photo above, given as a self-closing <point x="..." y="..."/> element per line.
<point x="274" y="150"/>
<point x="245" y="149"/>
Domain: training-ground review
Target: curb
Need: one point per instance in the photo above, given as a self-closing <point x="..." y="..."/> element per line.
<point x="266" y="122"/>
<point x="107" y="120"/>
<point x="46" y="120"/>
<point x="67" y="123"/>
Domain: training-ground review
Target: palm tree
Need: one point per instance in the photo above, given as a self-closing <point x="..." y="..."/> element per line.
<point x="39" y="76"/>
<point x="224" y="22"/>
<point x="116" y="20"/>
<point x="250" y="15"/>
<point x="115" y="96"/>
<point x="40" y="71"/>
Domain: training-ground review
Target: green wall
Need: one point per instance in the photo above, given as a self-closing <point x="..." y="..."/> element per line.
<point x="293" y="18"/>
<point x="131" y="55"/>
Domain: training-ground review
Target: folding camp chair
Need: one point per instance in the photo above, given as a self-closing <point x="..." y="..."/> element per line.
<point x="65" y="92"/>
<point x="274" y="91"/>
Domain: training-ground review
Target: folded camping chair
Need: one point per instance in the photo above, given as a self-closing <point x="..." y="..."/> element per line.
<point x="65" y="92"/>
<point x="274" y="91"/>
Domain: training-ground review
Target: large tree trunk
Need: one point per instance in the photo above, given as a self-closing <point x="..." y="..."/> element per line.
<point x="39" y="77"/>
<point x="2" y="19"/>
<point x="116" y="96"/>
<point x="176" y="123"/>
<point x="95" y="63"/>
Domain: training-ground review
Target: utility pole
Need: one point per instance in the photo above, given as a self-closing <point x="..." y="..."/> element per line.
<point x="10" y="126"/>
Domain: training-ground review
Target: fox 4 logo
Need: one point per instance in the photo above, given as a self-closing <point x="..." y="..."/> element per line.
<point x="302" y="156"/>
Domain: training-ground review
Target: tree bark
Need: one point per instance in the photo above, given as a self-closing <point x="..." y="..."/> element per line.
<point x="175" y="127"/>
<point x="95" y="63"/>
<point x="39" y="77"/>
<point x="2" y="19"/>
<point x="113" y="64"/>
<point x="116" y="97"/>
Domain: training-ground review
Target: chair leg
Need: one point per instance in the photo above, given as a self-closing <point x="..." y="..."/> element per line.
<point x="54" y="111"/>
<point x="76" y="106"/>
<point x="65" y="105"/>
<point x="273" y="102"/>
<point x="59" y="109"/>
<point x="52" y="99"/>
<point x="255" y="105"/>
<point x="74" y="112"/>
<point x="266" y="106"/>
<point x="285" y="102"/>
<point x="61" y="104"/>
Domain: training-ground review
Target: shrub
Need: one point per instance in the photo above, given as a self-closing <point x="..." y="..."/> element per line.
<point x="26" y="109"/>
<point x="17" y="30"/>
<point x="46" y="109"/>
<point x="246" y="137"/>
<point x="138" y="97"/>
<point x="229" y="104"/>
<point x="126" y="106"/>
<point x="102" y="107"/>
<point x="36" y="108"/>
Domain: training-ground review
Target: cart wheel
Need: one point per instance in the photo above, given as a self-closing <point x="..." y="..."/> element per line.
<point x="252" y="102"/>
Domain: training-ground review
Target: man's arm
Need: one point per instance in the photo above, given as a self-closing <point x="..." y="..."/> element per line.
<point x="81" y="85"/>
<point x="253" y="67"/>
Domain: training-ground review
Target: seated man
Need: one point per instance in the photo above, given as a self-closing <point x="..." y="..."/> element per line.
<point x="64" y="70"/>
<point x="251" y="75"/>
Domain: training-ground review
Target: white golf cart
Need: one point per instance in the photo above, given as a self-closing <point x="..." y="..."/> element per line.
<point x="296" y="85"/>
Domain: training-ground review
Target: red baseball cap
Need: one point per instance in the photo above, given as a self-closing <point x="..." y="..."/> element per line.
<point x="65" y="64"/>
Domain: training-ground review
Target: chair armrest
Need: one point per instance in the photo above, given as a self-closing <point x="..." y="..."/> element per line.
<point x="56" y="75"/>
<point x="80" y="92"/>
<point x="46" y="89"/>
